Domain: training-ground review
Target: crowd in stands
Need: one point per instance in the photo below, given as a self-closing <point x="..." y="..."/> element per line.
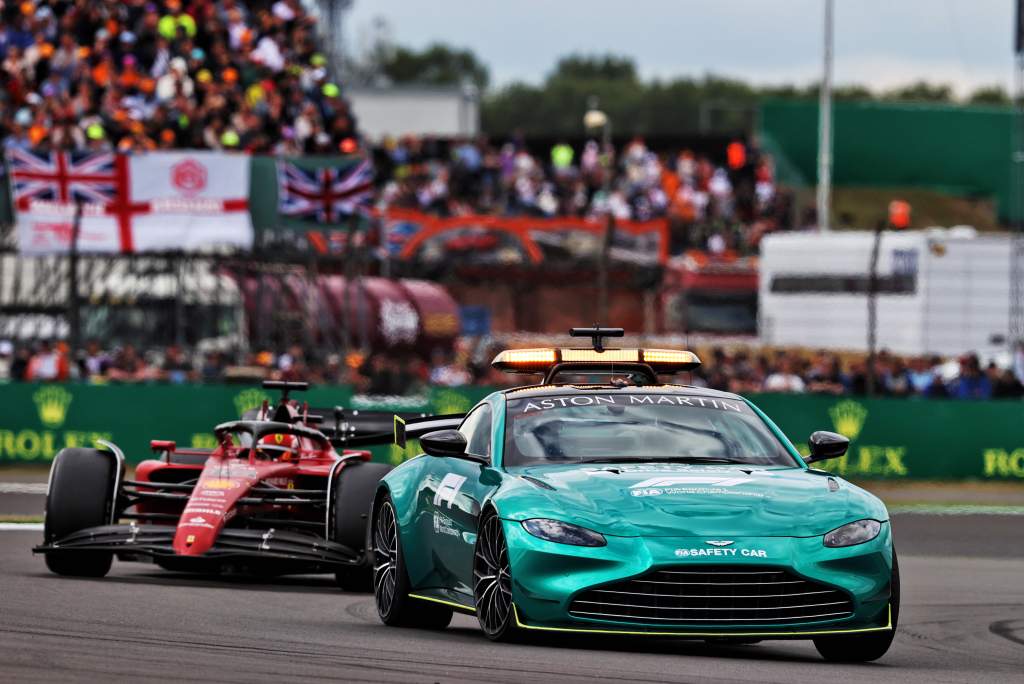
<point x="136" y="75"/>
<point x="709" y="205"/>
<point x="743" y="371"/>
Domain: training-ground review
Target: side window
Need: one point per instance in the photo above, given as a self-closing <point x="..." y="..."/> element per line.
<point x="476" y="428"/>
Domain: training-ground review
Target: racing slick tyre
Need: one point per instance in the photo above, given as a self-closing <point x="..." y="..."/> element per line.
<point x="81" y="495"/>
<point x="862" y="648"/>
<point x="353" y="496"/>
<point x="391" y="580"/>
<point x="492" y="582"/>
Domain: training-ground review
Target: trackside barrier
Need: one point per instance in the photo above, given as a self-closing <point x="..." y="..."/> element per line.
<point x="891" y="438"/>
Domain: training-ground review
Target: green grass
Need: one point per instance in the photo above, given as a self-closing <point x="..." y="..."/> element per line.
<point x="12" y="518"/>
<point x="862" y="208"/>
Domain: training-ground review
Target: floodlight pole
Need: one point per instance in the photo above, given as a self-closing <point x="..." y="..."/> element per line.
<point x="824" y="198"/>
<point x="74" y="321"/>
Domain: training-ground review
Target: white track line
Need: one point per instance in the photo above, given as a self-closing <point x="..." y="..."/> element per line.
<point x="21" y="527"/>
<point x="22" y="488"/>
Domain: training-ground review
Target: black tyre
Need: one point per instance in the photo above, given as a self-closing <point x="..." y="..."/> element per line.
<point x="391" y="580"/>
<point x="81" y="495"/>
<point x="863" y="648"/>
<point x="353" y="495"/>
<point x="492" y="582"/>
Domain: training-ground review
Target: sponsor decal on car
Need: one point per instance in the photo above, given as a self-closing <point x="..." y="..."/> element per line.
<point x="221" y="483"/>
<point x="445" y="525"/>
<point x="711" y="484"/>
<point x="705" y="553"/>
<point x="448" y="489"/>
<point x="632" y="400"/>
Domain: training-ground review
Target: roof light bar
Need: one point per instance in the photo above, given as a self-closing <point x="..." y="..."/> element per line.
<point x="664" y="361"/>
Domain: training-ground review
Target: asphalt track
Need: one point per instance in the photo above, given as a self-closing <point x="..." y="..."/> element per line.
<point x="962" y="621"/>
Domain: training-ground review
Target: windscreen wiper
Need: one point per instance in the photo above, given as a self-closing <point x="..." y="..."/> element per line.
<point x="663" y="459"/>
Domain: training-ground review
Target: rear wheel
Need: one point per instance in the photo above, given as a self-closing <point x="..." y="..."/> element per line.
<point x="862" y="648"/>
<point x="80" y="496"/>
<point x="391" y="580"/>
<point x="353" y="496"/>
<point x="492" y="581"/>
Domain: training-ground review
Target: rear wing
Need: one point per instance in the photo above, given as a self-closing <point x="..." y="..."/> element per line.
<point x="414" y="428"/>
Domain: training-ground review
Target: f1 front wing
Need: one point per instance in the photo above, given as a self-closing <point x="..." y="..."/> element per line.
<point x="232" y="544"/>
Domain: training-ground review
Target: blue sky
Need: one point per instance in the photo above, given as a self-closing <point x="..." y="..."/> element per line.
<point x="879" y="43"/>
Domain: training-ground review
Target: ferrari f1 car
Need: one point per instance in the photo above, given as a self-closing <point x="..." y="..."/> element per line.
<point x="630" y="507"/>
<point x="274" y="496"/>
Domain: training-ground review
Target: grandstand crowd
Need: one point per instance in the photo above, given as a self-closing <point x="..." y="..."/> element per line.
<point x="137" y="75"/>
<point x="717" y="206"/>
<point x="742" y="371"/>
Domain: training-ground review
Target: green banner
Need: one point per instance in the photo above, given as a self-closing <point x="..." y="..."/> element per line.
<point x="891" y="438"/>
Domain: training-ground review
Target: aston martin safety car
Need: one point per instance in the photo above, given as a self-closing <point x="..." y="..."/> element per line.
<point x="274" y="496"/>
<point x="603" y="501"/>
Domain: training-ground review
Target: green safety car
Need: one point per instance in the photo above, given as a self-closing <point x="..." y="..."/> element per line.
<point x="601" y="500"/>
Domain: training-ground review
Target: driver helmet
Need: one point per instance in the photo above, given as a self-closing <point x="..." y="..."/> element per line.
<point x="279" y="447"/>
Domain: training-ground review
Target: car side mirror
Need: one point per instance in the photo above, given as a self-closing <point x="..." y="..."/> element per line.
<point x="444" y="443"/>
<point x="825" y="445"/>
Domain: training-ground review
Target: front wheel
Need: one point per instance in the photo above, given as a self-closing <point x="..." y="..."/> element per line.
<point x="80" y="496"/>
<point x="492" y="582"/>
<point x="863" y="648"/>
<point x="391" y="580"/>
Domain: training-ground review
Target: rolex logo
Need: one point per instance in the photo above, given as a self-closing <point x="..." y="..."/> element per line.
<point x="250" y="399"/>
<point x="848" y="418"/>
<point x="52" y="403"/>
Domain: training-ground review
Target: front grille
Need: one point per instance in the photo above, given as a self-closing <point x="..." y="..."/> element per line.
<point x="714" y="596"/>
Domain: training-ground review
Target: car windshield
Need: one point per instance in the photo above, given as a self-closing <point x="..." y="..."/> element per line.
<point x="637" y="427"/>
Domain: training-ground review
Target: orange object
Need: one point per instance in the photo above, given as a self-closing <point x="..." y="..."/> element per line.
<point x="736" y="155"/>
<point x="230" y="75"/>
<point x="348" y="145"/>
<point x="36" y="134"/>
<point x="899" y="214"/>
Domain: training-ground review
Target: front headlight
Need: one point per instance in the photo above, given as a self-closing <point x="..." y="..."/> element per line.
<point x="563" y="533"/>
<point x="853" y="533"/>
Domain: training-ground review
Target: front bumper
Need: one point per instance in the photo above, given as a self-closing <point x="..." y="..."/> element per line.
<point x="549" y="576"/>
<point x="233" y="545"/>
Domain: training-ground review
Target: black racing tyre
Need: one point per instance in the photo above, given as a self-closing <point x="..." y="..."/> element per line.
<point x="391" y="580"/>
<point x="863" y="648"/>
<point x="492" y="582"/>
<point x="354" y="489"/>
<point x="81" y="495"/>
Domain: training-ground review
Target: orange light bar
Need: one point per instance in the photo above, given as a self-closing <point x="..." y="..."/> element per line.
<point x="540" y="360"/>
<point x="525" y="360"/>
<point x="606" y="356"/>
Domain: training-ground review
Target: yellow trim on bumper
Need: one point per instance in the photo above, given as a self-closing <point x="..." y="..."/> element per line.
<point x="822" y="632"/>
<point x="458" y="606"/>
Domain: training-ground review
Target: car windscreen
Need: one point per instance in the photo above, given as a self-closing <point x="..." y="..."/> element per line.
<point x="646" y="427"/>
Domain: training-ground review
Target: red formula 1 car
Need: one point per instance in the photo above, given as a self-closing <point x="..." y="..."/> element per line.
<point x="274" y="497"/>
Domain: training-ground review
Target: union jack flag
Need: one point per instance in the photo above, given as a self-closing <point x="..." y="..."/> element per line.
<point x="324" y="195"/>
<point x="67" y="177"/>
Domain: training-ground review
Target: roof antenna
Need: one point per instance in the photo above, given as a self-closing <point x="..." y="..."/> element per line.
<point x="596" y="335"/>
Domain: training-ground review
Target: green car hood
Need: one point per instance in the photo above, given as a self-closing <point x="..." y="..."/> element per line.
<point x="675" y="500"/>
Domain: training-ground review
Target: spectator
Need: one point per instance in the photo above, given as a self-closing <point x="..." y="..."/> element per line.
<point x="6" y="358"/>
<point x="176" y="369"/>
<point x="48" y="364"/>
<point x="971" y="383"/>
<point x="784" y="379"/>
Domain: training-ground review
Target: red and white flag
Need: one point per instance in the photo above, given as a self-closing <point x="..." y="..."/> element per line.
<point x="161" y="201"/>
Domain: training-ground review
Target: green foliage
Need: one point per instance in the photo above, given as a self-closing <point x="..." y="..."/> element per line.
<point x="436" y="64"/>
<point x="990" y="95"/>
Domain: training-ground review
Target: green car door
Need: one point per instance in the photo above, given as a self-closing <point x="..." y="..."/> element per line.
<point x="456" y="492"/>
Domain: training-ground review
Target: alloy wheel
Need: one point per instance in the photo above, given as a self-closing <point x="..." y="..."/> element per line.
<point x="385" y="553"/>
<point x="492" y="580"/>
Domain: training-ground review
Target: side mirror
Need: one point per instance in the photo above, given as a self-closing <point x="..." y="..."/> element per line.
<point x="444" y="443"/>
<point x="825" y="445"/>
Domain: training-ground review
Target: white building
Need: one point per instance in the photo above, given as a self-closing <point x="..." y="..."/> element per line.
<point x="940" y="291"/>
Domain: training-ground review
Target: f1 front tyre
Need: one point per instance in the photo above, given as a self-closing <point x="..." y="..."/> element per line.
<point x="81" y="495"/>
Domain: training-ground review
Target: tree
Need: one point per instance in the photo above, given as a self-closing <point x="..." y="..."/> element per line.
<point x="594" y="68"/>
<point x="437" y="64"/>
<point x="922" y="91"/>
<point x="990" y="95"/>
